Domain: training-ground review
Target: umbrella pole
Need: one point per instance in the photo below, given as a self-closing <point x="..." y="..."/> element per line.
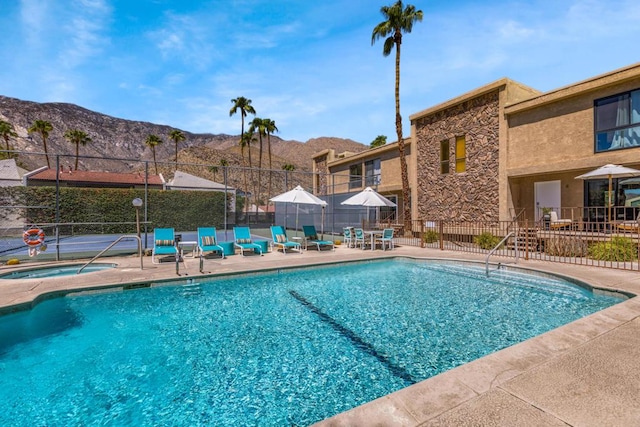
<point x="609" y="205"/>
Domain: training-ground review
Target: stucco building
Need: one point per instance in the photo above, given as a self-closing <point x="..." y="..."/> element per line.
<point x="506" y="150"/>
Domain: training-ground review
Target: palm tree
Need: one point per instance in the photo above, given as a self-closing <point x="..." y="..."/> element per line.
<point x="214" y="170"/>
<point x="152" y="141"/>
<point x="176" y="136"/>
<point x="243" y="105"/>
<point x="398" y="20"/>
<point x="42" y="127"/>
<point x="7" y="131"/>
<point x="258" y="126"/>
<point x="270" y="127"/>
<point x="288" y="167"/>
<point x="78" y="138"/>
<point x="246" y="141"/>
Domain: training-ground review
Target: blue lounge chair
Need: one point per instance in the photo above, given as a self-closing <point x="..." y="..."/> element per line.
<point x="386" y="239"/>
<point x="242" y="237"/>
<point x="280" y="240"/>
<point x="311" y="237"/>
<point x="208" y="242"/>
<point x="164" y="243"/>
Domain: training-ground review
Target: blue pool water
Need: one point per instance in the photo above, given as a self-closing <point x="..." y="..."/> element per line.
<point x="54" y="271"/>
<point x="286" y="348"/>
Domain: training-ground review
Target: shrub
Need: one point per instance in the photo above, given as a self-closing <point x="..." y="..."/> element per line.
<point x="616" y="249"/>
<point x="431" y="236"/>
<point x="566" y="246"/>
<point x="486" y="240"/>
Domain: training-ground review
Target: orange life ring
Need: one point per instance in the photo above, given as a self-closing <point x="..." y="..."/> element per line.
<point x="33" y="237"/>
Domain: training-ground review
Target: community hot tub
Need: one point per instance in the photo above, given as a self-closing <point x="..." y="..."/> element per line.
<point x="54" y="271"/>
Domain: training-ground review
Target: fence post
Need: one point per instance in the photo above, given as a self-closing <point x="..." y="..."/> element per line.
<point x="441" y="232"/>
<point x="421" y="234"/>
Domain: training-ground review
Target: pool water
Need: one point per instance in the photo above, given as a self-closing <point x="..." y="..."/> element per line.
<point x="285" y="348"/>
<point x="54" y="271"/>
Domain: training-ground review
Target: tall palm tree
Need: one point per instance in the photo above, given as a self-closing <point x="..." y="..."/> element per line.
<point x="176" y="136"/>
<point x="257" y="125"/>
<point x="42" y="127"/>
<point x="247" y="140"/>
<point x="243" y="105"/>
<point x="153" y="141"/>
<point x="398" y="20"/>
<point x="270" y="127"/>
<point x="7" y="131"/>
<point x="78" y="138"/>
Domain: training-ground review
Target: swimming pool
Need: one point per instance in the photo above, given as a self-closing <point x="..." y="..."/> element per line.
<point x="54" y="271"/>
<point x="280" y="348"/>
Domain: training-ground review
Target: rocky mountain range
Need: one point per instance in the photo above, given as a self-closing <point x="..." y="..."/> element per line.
<point x="124" y="140"/>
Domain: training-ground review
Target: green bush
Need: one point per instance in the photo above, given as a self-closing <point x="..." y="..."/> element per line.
<point x="486" y="240"/>
<point x="183" y="210"/>
<point x="617" y="249"/>
<point x="431" y="236"/>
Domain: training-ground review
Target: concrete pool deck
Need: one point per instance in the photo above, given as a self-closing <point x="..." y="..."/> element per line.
<point x="586" y="373"/>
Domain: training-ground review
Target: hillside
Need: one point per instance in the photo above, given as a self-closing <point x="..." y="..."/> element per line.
<point x="124" y="139"/>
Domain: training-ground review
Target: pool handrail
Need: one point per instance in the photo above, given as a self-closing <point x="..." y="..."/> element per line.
<point x="491" y="252"/>
<point x="112" y="245"/>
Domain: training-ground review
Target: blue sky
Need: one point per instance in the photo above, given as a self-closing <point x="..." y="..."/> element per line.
<point x="307" y="65"/>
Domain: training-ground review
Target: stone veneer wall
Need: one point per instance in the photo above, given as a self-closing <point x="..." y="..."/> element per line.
<point x="322" y="170"/>
<point x="468" y="196"/>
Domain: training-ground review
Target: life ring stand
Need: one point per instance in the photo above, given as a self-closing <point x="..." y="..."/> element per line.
<point x="33" y="237"/>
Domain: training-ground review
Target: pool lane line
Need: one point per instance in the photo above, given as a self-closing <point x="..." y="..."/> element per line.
<point x="355" y="339"/>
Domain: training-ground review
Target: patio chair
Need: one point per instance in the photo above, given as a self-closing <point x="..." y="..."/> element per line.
<point x="629" y="225"/>
<point x="280" y="240"/>
<point x="164" y="243"/>
<point x="311" y="237"/>
<point x="555" y="222"/>
<point x="208" y="242"/>
<point x="359" y="238"/>
<point x="242" y="240"/>
<point x="386" y="238"/>
<point x="348" y="236"/>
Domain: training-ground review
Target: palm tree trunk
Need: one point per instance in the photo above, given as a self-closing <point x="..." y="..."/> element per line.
<point x="46" y="152"/>
<point x="406" y="202"/>
<point x="77" y="153"/>
<point x="244" y="164"/>
<point x="154" y="159"/>
<point x="269" y="150"/>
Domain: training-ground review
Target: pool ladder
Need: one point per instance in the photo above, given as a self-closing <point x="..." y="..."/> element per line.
<point x="112" y="245"/>
<point x="492" y="251"/>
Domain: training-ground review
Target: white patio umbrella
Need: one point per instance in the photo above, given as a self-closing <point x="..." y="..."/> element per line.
<point x="609" y="172"/>
<point x="368" y="197"/>
<point x="298" y="196"/>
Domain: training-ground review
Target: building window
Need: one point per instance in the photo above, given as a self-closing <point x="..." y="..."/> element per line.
<point x="444" y="157"/>
<point x="617" y="121"/>
<point x="372" y="172"/>
<point x="355" y="176"/>
<point x="461" y="154"/>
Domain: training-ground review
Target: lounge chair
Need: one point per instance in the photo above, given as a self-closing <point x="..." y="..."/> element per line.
<point x="164" y="243"/>
<point x="311" y="237"/>
<point x="208" y="242"/>
<point x="242" y="237"/>
<point x="555" y="222"/>
<point x="280" y="240"/>
<point x="360" y="238"/>
<point x="386" y="238"/>
<point x="348" y="236"/>
<point x="629" y="225"/>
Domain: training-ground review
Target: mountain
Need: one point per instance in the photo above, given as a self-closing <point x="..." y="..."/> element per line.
<point x="123" y="140"/>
